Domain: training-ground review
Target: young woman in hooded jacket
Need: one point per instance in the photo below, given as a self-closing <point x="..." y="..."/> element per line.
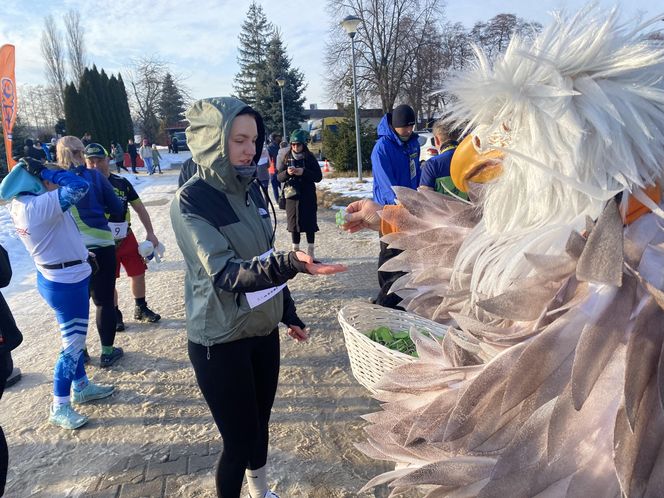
<point x="235" y="292"/>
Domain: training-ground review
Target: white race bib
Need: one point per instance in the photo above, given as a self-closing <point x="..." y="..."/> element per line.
<point x="119" y="230"/>
<point x="259" y="297"/>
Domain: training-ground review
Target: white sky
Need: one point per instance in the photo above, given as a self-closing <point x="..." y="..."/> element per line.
<point x="199" y="38"/>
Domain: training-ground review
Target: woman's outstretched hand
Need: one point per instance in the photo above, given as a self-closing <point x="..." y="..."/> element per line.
<point x="316" y="268"/>
<point x="298" y="333"/>
<point x="362" y="214"/>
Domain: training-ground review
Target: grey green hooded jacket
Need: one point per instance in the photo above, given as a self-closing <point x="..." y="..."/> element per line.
<point x="222" y="226"/>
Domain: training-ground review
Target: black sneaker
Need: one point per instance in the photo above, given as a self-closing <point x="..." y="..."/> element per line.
<point x="107" y="360"/>
<point x="145" y="314"/>
<point x="14" y="377"/>
<point x="119" y="323"/>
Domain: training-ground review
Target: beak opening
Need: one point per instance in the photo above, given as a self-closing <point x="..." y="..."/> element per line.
<point x="470" y="166"/>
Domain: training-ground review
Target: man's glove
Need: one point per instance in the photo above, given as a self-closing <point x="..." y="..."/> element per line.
<point x="32" y="166"/>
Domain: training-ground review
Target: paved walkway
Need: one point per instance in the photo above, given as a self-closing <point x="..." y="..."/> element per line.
<point x="156" y="475"/>
<point x="155" y="437"/>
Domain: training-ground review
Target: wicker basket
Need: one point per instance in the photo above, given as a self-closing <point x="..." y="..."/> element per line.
<point x="368" y="359"/>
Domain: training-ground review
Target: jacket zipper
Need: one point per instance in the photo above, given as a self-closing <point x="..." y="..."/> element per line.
<point x="208" y="352"/>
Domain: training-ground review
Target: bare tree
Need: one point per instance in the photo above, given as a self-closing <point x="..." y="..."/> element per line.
<point x="494" y="35"/>
<point x="51" y="48"/>
<point x="75" y="44"/>
<point x="455" y="52"/>
<point x="387" y="44"/>
<point x="426" y="74"/>
<point x="38" y="109"/>
<point x="146" y="82"/>
<point x="146" y="78"/>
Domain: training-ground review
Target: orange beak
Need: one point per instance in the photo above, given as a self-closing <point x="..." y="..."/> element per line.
<point x="469" y="166"/>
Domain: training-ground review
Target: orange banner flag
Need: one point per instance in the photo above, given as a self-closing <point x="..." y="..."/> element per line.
<point x="8" y="100"/>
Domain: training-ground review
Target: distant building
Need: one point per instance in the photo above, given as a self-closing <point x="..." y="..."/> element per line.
<point x="178" y="126"/>
<point x="314" y="114"/>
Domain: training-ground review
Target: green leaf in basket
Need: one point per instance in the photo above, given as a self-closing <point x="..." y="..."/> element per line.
<point x="382" y="335"/>
<point x="385" y="334"/>
<point x="397" y="341"/>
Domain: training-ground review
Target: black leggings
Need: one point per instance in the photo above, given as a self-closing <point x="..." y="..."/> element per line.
<point x="296" y="237"/>
<point x="102" y="287"/>
<point x="6" y="367"/>
<point x="386" y="279"/>
<point x="239" y="380"/>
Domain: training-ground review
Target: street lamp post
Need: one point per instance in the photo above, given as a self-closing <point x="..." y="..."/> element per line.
<point x="350" y="24"/>
<point x="281" y="82"/>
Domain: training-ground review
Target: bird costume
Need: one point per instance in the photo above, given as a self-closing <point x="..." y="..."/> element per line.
<point x="550" y="379"/>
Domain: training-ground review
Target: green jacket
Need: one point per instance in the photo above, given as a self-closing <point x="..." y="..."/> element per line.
<point x="222" y="226"/>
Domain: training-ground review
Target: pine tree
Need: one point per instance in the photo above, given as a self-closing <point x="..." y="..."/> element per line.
<point x="100" y="106"/>
<point x="60" y="127"/>
<point x="171" y="104"/>
<point x="77" y="115"/>
<point x="268" y="98"/>
<point x="253" y="39"/>
<point x="103" y="125"/>
<point x="19" y="134"/>
<point x="110" y="109"/>
<point x="88" y="97"/>
<point x="127" y="125"/>
<point x="340" y="143"/>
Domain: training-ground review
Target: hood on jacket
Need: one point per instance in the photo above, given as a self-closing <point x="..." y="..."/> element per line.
<point x="385" y="130"/>
<point x="209" y="128"/>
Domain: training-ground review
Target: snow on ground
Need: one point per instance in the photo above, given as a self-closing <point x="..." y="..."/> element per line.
<point x="157" y="404"/>
<point x="22" y="264"/>
<point x="349" y="186"/>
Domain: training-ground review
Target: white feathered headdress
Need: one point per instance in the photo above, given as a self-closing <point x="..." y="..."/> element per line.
<point x="550" y="379"/>
<point x="579" y="113"/>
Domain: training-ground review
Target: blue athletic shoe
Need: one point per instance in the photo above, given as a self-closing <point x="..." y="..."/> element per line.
<point x="92" y="392"/>
<point x="66" y="417"/>
<point x="108" y="360"/>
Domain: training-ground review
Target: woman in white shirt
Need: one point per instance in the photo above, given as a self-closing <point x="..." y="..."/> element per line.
<point x="41" y="198"/>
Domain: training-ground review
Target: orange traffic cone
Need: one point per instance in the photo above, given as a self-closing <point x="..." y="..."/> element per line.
<point x="326" y="168"/>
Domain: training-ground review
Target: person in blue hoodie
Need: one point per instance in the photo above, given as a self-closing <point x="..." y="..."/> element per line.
<point x="395" y="163"/>
<point x="395" y="157"/>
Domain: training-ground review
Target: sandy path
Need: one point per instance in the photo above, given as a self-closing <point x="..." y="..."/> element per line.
<point x="316" y="418"/>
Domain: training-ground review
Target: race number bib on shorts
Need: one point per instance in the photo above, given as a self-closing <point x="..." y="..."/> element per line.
<point x="119" y="230"/>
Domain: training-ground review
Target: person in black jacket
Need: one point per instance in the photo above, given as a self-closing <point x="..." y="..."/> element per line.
<point x="133" y="154"/>
<point x="299" y="172"/>
<point x="10" y="338"/>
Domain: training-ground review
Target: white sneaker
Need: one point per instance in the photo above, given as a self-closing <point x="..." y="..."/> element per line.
<point x="268" y="494"/>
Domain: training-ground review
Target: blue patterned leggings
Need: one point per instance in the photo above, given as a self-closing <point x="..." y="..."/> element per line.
<point x="72" y="309"/>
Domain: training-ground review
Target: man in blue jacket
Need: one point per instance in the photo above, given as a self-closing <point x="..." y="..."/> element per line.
<point x="394" y="162"/>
